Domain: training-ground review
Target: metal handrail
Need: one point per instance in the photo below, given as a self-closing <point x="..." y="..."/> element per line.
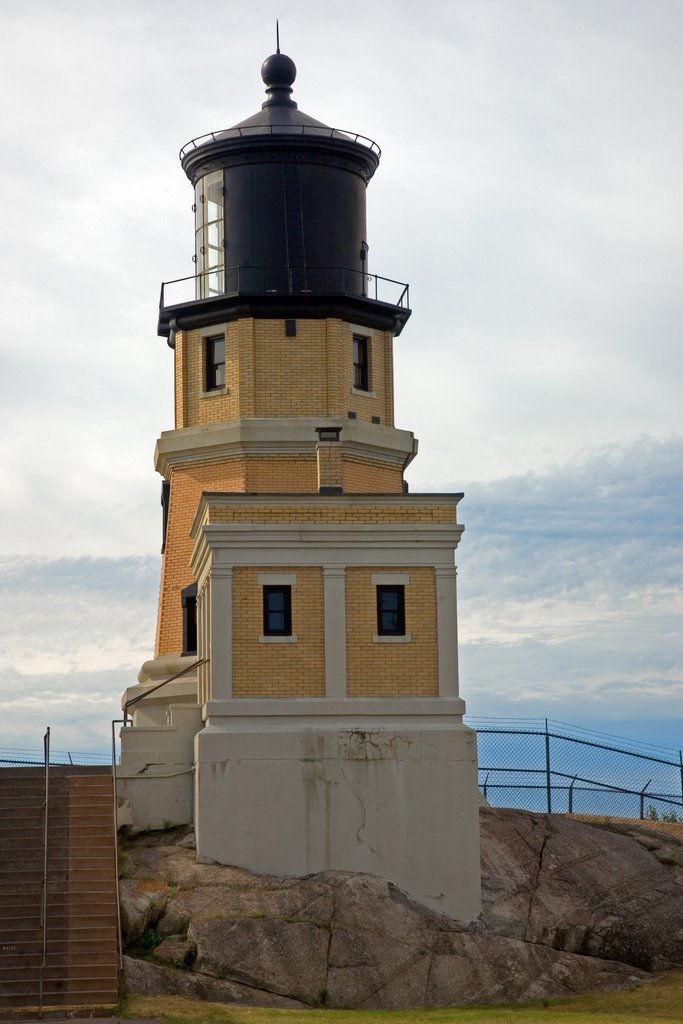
<point x="147" y="693"/>
<point x="119" y="930"/>
<point x="124" y="721"/>
<point x="291" y="273"/>
<point x="43" y="892"/>
<point x="318" y="131"/>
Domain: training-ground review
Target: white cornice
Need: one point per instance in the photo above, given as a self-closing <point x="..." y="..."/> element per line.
<point x="229" y="439"/>
<point x="318" y="544"/>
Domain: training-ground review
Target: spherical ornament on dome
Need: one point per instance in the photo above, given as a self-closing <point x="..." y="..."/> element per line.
<point x="278" y="71"/>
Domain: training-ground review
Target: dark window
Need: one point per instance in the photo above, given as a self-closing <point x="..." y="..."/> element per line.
<point x="290" y="328"/>
<point x="165" y="499"/>
<point x="361" y="376"/>
<point x="391" y="611"/>
<point x="277" y="611"/>
<point x="215" y="362"/>
<point x="188" y="600"/>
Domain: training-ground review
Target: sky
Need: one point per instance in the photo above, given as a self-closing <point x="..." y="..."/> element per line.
<point x="529" y="191"/>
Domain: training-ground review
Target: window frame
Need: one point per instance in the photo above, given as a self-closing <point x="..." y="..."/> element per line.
<point x="271" y="590"/>
<point x="399" y="590"/>
<point x="214" y="368"/>
<point x="361" y="362"/>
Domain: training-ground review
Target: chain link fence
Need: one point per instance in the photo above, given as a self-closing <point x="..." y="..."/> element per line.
<point x="27" y="758"/>
<point x="535" y="765"/>
<point x="545" y="766"/>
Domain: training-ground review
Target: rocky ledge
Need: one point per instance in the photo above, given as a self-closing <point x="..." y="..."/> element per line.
<point x="567" y="907"/>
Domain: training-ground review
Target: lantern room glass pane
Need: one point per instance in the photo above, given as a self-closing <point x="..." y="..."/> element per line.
<point x="209" y="234"/>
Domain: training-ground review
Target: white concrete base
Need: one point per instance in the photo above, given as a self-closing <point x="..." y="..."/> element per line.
<point x="387" y="787"/>
<point x="155" y="774"/>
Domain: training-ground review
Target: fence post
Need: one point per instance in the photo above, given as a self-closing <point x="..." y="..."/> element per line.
<point x="547" y="769"/>
<point x="570" y="809"/>
<point x="642" y="799"/>
<point x="680" y="759"/>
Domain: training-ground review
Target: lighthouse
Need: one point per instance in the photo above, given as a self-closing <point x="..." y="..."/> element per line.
<point x="302" y="708"/>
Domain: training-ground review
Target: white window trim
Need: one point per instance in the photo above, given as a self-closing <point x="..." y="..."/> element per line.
<point x="214" y="393"/>
<point x="208" y="332"/>
<point x="390" y="579"/>
<point x="293" y="639"/>
<point x="276" y="579"/>
<point x="406" y="638"/>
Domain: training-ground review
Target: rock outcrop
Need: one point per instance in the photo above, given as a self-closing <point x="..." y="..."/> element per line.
<point x="568" y="907"/>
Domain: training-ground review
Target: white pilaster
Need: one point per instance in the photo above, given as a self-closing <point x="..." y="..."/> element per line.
<point x="447" y="630"/>
<point x="334" y="598"/>
<point x="220" y="633"/>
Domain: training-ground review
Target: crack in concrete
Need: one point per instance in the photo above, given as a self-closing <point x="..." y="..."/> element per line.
<point x="361" y="828"/>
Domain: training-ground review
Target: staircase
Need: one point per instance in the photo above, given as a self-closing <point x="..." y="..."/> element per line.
<point x="64" y="961"/>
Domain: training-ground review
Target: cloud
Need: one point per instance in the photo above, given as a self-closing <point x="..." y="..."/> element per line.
<point x="539" y="230"/>
<point x="571" y="588"/>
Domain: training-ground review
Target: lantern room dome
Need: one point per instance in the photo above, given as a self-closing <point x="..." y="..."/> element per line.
<point x="279" y="111"/>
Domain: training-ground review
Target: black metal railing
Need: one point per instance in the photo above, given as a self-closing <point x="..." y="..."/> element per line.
<point x="243" y="280"/>
<point x="546" y="766"/>
<point x="310" y="130"/>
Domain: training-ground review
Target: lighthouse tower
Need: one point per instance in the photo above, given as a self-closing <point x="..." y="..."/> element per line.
<point x="307" y="632"/>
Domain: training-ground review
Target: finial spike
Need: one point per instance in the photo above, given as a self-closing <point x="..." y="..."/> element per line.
<point x="277" y="35"/>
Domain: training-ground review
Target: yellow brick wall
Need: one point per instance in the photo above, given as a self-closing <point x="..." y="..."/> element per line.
<point x="391" y="669"/>
<point x="269" y="475"/>
<point x="281" y="474"/>
<point x="368" y="476"/>
<point x="270" y="375"/>
<point x="278" y="669"/>
<point x="323" y="513"/>
<point x="290" y="374"/>
<point x="186" y="488"/>
<point x="194" y="406"/>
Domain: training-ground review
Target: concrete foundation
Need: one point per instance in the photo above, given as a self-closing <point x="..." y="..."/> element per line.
<point x="380" y="786"/>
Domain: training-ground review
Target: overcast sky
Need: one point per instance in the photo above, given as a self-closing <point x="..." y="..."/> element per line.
<point x="530" y="193"/>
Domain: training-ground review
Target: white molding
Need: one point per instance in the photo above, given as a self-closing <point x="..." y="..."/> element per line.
<point x="275" y="579"/>
<point x="405" y="638"/>
<point x="208" y="332"/>
<point x="329" y="710"/>
<point x="216" y="442"/>
<point x="396" y="579"/>
<point x="291" y="639"/>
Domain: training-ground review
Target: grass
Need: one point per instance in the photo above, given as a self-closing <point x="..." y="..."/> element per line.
<point x="655" y="1003"/>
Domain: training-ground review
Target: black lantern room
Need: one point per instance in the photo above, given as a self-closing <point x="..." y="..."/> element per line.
<point x="280" y="224"/>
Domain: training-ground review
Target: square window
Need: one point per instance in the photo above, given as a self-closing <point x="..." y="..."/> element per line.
<point x="361" y="362"/>
<point x="391" y="611"/>
<point x="277" y="611"/>
<point x="215" y="362"/>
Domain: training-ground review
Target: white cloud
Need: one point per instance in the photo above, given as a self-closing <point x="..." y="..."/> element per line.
<point x="529" y="190"/>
